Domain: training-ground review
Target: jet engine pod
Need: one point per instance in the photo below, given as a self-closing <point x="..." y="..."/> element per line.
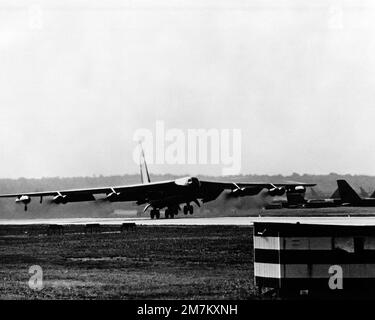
<point x="299" y="189"/>
<point x="23" y="199"/>
<point x="113" y="196"/>
<point x="246" y="191"/>
<point x="237" y="192"/>
<point x="276" y="191"/>
<point x="60" y="199"/>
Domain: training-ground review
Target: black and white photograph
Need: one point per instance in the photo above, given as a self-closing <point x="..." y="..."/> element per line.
<point x="192" y="156"/>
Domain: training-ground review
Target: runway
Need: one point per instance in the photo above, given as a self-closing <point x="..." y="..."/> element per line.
<point x="239" y="221"/>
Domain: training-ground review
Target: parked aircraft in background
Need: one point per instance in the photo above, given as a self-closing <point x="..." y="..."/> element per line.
<point x="333" y="201"/>
<point x="351" y="198"/>
<point x="343" y="195"/>
<point x="297" y="200"/>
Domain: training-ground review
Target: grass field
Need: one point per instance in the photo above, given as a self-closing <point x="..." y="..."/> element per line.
<point x="149" y="262"/>
<point x="196" y="262"/>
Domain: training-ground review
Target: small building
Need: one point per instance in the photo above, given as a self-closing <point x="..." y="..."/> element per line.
<point x="315" y="259"/>
<point x="128" y="226"/>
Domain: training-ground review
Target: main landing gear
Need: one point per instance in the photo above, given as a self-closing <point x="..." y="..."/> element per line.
<point x="155" y="213"/>
<point x="188" y="209"/>
<point x="171" y="212"/>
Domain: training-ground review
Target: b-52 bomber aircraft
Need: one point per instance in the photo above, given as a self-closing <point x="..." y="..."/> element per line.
<point x="168" y="195"/>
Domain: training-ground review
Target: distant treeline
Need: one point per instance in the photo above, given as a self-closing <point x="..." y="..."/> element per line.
<point x="326" y="185"/>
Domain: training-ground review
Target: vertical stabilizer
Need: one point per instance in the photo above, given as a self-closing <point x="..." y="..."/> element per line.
<point x="347" y="193"/>
<point x="145" y="176"/>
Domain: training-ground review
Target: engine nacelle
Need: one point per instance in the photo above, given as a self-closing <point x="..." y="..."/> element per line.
<point x="60" y="199"/>
<point x="299" y="189"/>
<point x="277" y="191"/>
<point x="242" y="192"/>
<point x="237" y="192"/>
<point x="249" y="191"/>
<point x="112" y="196"/>
<point x="23" y="199"/>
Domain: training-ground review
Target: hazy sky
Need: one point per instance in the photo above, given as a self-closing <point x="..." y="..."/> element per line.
<point x="78" y="78"/>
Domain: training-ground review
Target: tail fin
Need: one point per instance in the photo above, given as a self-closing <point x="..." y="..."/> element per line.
<point x="347" y="193"/>
<point x="336" y="194"/>
<point x="145" y="177"/>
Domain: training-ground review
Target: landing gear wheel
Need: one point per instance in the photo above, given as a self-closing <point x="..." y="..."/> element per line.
<point x="186" y="210"/>
<point x="166" y="213"/>
<point x="191" y="209"/>
<point x="157" y="214"/>
<point x="170" y="213"/>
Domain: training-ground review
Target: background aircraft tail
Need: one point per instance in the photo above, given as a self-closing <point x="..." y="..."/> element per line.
<point x="335" y="194"/>
<point x="347" y="193"/>
<point x="145" y="176"/>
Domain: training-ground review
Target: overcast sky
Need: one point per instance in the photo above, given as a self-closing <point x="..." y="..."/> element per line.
<point x="78" y="78"/>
